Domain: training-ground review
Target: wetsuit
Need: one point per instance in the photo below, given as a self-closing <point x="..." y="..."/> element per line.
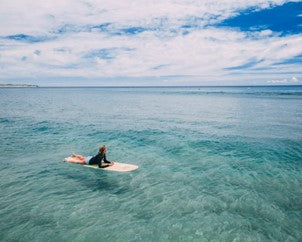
<point x="98" y="160"/>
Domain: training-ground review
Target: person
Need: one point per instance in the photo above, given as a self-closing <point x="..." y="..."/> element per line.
<point x="98" y="159"/>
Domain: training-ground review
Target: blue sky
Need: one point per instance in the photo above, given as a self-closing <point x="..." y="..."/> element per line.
<point x="148" y="42"/>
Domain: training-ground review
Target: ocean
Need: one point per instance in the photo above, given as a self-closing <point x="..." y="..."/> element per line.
<point x="215" y="164"/>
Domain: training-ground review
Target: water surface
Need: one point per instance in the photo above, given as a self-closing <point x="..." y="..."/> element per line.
<point x="216" y="164"/>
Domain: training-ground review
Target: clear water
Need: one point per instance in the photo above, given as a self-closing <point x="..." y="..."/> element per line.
<point x="216" y="164"/>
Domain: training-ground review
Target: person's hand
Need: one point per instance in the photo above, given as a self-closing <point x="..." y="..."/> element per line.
<point x="111" y="163"/>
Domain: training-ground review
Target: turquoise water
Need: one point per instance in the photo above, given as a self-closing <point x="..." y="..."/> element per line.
<point x="216" y="164"/>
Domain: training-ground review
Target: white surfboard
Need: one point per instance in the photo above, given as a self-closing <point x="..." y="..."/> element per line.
<point x="121" y="167"/>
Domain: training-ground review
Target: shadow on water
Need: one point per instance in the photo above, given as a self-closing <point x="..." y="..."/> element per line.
<point x="95" y="180"/>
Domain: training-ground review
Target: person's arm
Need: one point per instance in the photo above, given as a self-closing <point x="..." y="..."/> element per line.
<point x="100" y="163"/>
<point x="105" y="160"/>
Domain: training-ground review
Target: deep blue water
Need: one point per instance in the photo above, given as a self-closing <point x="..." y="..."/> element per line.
<point x="216" y="164"/>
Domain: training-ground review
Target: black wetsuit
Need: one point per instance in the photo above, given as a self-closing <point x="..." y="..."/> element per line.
<point x="98" y="160"/>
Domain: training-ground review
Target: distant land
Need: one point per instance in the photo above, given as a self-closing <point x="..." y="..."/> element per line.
<point x="18" y="85"/>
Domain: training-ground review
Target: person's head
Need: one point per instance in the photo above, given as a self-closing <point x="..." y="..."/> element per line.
<point x="102" y="149"/>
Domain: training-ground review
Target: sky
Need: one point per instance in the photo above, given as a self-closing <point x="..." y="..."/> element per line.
<point x="151" y="42"/>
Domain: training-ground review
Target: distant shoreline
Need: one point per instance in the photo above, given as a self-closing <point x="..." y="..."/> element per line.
<point x="18" y="85"/>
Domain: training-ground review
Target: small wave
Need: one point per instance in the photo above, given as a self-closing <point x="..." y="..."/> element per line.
<point x="234" y="93"/>
<point x="5" y="120"/>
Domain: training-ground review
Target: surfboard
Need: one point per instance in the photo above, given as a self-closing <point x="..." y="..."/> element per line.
<point x="121" y="167"/>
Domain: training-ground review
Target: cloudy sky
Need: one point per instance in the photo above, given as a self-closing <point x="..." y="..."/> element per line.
<point x="148" y="42"/>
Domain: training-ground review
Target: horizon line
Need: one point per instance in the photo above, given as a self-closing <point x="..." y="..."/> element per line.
<point x="143" y="86"/>
<point x="138" y="86"/>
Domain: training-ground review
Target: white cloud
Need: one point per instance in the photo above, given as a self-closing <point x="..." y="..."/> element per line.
<point x="162" y="49"/>
<point x="285" y="80"/>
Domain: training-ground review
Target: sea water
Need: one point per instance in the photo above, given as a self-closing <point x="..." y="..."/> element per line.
<point x="215" y="164"/>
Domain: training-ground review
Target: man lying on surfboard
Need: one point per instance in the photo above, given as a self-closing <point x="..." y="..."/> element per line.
<point x="98" y="159"/>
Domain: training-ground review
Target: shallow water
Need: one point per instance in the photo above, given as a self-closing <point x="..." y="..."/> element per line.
<point x="216" y="164"/>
